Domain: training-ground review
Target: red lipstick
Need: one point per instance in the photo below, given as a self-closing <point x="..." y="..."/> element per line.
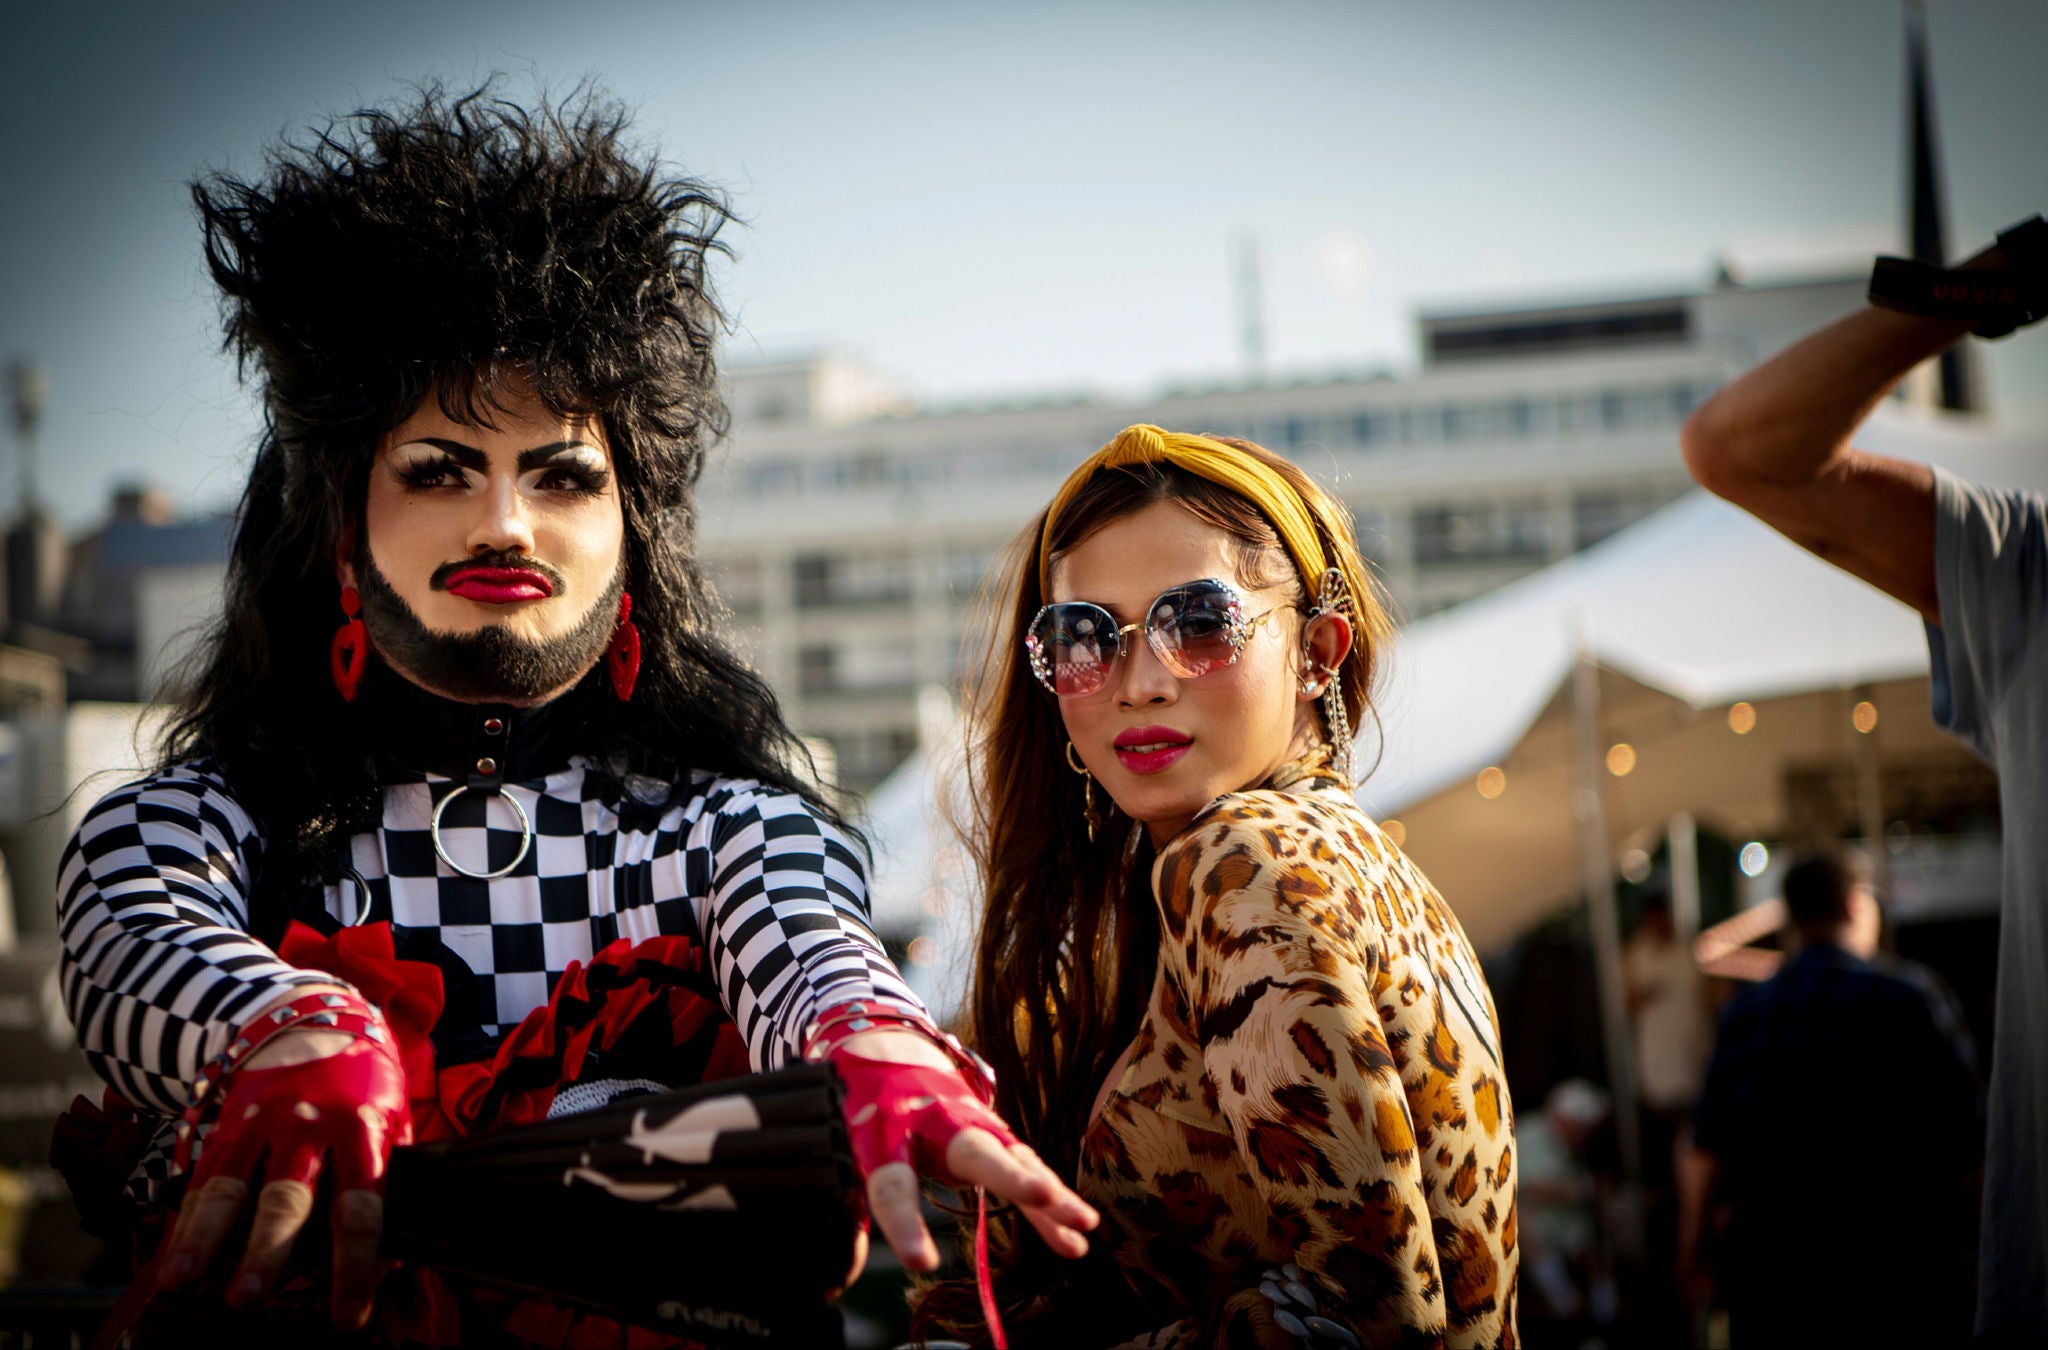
<point x="499" y="585"/>
<point x="1150" y="749"/>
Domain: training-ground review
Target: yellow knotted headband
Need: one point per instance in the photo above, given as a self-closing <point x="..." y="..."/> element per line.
<point x="1221" y="464"/>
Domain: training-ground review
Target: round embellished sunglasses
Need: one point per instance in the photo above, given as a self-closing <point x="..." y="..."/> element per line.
<point x="1194" y="628"/>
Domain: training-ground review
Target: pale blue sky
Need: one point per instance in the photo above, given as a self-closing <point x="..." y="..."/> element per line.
<point x="990" y="201"/>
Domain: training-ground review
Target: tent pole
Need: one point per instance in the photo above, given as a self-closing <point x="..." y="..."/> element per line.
<point x="1597" y="854"/>
<point x="1682" y="833"/>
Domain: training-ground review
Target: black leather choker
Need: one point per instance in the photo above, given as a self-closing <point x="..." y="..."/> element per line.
<point x="480" y="745"/>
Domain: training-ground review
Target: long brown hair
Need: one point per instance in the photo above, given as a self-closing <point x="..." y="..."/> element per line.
<point x="1063" y="964"/>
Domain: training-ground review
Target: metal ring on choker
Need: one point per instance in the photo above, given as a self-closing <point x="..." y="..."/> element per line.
<point x="367" y="900"/>
<point x="525" y="837"/>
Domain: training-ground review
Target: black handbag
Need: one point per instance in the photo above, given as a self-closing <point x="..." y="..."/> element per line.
<point x="726" y="1213"/>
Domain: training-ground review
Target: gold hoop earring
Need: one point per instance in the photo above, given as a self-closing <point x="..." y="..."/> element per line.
<point x="1087" y="790"/>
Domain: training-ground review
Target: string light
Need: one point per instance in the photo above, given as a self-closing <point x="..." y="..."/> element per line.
<point x="1742" y="719"/>
<point x="1621" y="759"/>
<point x="1864" y="717"/>
<point x="1636" y="865"/>
<point x="1492" y="782"/>
<point x="1396" y="831"/>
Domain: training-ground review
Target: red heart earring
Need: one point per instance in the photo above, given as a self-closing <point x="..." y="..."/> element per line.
<point x="622" y="657"/>
<point x="351" y="646"/>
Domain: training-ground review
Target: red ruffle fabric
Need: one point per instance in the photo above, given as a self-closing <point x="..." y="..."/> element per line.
<point x="591" y="1008"/>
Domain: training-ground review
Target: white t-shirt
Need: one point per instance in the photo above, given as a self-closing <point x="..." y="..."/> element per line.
<point x="1672" y="1036"/>
<point x="1989" y="663"/>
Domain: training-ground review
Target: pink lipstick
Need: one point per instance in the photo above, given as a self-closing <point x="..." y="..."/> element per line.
<point x="1151" y="749"/>
<point x="499" y="585"/>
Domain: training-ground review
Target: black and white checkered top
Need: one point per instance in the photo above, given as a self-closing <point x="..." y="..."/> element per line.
<point x="153" y="902"/>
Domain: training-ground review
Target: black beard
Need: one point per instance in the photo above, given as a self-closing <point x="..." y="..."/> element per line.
<point x="489" y="665"/>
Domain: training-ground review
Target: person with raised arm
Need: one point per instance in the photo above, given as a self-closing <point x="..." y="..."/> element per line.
<point x="1973" y="560"/>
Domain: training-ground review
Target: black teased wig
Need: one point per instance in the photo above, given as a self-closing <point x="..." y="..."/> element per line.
<point x="439" y="249"/>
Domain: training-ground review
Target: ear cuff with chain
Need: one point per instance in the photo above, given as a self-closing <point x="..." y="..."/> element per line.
<point x="1333" y="596"/>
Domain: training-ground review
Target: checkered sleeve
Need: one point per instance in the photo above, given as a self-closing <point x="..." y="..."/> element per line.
<point x="152" y="907"/>
<point x="786" y="918"/>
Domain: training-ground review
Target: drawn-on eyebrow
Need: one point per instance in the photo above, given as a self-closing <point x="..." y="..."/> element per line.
<point x="470" y="457"/>
<point x="542" y="454"/>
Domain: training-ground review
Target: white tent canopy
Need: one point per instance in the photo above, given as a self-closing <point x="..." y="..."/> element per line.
<point x="1699" y="600"/>
<point x="918" y="883"/>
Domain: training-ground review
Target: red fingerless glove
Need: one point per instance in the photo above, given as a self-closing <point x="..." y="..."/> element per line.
<point x="908" y="1113"/>
<point x="350" y="1106"/>
<point x="904" y="1113"/>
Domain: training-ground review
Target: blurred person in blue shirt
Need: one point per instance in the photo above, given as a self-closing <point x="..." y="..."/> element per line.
<point x="1839" y="1125"/>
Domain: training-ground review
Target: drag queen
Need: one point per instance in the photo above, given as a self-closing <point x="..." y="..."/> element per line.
<point x="465" y="781"/>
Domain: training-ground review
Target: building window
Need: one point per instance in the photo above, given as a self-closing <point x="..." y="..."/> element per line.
<point x="1482" y="532"/>
<point x="869" y="755"/>
<point x="813" y="575"/>
<point x="911" y="470"/>
<point x="1594" y="410"/>
<point x="816" y="669"/>
<point x="1685" y="396"/>
<point x="1604" y="512"/>
<point x="818" y="581"/>
<point x="824" y="580"/>
<point x="1517" y="417"/>
<point x="772" y="477"/>
<point x="1525" y="530"/>
<point x="1595" y="516"/>
<point x="1442" y="534"/>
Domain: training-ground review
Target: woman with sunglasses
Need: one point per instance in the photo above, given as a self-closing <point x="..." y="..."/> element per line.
<point x="1215" y="994"/>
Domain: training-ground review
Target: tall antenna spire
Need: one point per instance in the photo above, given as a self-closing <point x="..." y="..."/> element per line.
<point x="1924" y="206"/>
<point x="1251" y="307"/>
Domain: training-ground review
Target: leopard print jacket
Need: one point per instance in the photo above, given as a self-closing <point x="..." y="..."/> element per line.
<point x="1310" y="1141"/>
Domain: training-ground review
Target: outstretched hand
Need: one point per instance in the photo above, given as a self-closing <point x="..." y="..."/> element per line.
<point x="913" y="1115"/>
<point x="305" y="1102"/>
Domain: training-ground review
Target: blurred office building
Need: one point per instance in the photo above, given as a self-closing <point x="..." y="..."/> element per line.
<point x="849" y="528"/>
<point x="95" y="626"/>
<point x="92" y="626"/>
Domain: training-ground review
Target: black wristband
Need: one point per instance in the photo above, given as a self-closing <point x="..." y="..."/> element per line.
<point x="1994" y="300"/>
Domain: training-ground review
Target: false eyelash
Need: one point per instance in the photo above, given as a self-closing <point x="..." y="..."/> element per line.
<point x="428" y="473"/>
<point x="581" y="480"/>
